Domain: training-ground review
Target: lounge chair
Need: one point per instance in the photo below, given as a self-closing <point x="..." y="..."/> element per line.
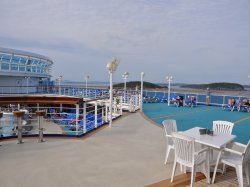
<point x="245" y="105"/>
<point x="190" y="102"/>
<point x="233" y="104"/>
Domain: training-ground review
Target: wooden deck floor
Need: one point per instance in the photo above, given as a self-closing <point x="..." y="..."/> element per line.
<point x="229" y="179"/>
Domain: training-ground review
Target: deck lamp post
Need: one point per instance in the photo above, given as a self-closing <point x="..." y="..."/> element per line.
<point x="27" y="84"/>
<point x="125" y="77"/>
<point x="111" y="67"/>
<point x="59" y="83"/>
<point x="142" y="76"/>
<point x="169" y="79"/>
<point x="86" y="81"/>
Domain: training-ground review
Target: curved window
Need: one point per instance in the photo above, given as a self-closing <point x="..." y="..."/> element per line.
<point x="6" y="58"/>
<point x="14" y="67"/>
<point x="5" y="66"/>
<point x="21" y="68"/>
<point x="22" y="63"/>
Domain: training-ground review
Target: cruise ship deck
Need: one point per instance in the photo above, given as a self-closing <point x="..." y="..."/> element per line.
<point x="131" y="153"/>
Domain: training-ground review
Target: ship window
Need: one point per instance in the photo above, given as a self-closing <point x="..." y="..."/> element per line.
<point x="14" y="67"/>
<point x="28" y="68"/>
<point x="15" y="59"/>
<point x="23" y="60"/>
<point x="38" y="70"/>
<point x="33" y="68"/>
<point x="21" y="68"/>
<point x="6" y="58"/>
<point x="5" y="66"/>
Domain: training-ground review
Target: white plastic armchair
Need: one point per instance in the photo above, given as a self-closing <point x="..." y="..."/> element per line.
<point x="223" y="127"/>
<point x="169" y="127"/>
<point x="236" y="159"/>
<point x="185" y="155"/>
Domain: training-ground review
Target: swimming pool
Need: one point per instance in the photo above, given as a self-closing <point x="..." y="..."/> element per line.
<point x="201" y="116"/>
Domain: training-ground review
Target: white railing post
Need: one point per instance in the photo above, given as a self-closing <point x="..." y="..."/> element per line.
<point x="95" y="114"/>
<point x="106" y="112"/>
<point x="77" y="117"/>
<point x="102" y="114"/>
<point x="120" y="105"/>
<point x="84" y="118"/>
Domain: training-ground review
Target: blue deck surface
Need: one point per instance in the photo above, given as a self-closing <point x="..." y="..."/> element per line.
<point x="200" y="116"/>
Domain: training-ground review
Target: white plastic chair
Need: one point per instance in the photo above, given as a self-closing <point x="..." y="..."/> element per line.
<point x="223" y="127"/>
<point x="237" y="160"/>
<point x="185" y="155"/>
<point x="169" y="127"/>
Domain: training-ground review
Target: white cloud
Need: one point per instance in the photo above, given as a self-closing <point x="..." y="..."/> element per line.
<point x="161" y="36"/>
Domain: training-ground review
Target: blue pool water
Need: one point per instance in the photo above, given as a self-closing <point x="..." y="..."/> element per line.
<point x="201" y="116"/>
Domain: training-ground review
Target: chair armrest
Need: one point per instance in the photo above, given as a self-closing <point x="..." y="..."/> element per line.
<point x="233" y="151"/>
<point x="169" y="136"/>
<point x="239" y="144"/>
<point x="201" y="151"/>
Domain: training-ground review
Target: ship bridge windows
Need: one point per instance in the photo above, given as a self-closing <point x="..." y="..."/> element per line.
<point x="5" y="58"/>
<point x="14" y="66"/>
<point x="5" y="66"/>
<point x="20" y="63"/>
<point x="15" y="59"/>
<point x="21" y="68"/>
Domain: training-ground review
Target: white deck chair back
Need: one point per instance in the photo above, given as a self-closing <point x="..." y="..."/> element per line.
<point x="223" y="127"/>
<point x="184" y="149"/>
<point x="169" y="127"/>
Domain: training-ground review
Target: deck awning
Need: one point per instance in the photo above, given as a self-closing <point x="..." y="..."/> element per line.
<point x="41" y="99"/>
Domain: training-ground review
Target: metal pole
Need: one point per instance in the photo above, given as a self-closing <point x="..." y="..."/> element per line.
<point x="111" y="98"/>
<point x="142" y="74"/>
<point x="59" y="86"/>
<point x="27" y="85"/>
<point x="168" y="92"/>
<point x="96" y="114"/>
<point x="77" y="117"/>
<point x="125" y="84"/>
<point x="169" y="79"/>
<point x="84" y="118"/>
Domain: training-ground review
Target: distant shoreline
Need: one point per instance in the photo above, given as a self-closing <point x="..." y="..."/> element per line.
<point x="194" y="91"/>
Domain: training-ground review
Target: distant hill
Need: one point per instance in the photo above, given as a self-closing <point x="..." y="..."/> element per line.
<point x="133" y="84"/>
<point x="216" y="86"/>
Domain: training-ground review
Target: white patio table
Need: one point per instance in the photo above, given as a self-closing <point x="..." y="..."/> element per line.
<point x="217" y="140"/>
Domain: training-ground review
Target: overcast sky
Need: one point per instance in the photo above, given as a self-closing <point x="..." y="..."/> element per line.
<point x="196" y="41"/>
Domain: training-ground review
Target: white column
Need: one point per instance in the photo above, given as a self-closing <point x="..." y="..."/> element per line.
<point x="169" y="79"/>
<point x="111" y="98"/>
<point x="111" y="68"/>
